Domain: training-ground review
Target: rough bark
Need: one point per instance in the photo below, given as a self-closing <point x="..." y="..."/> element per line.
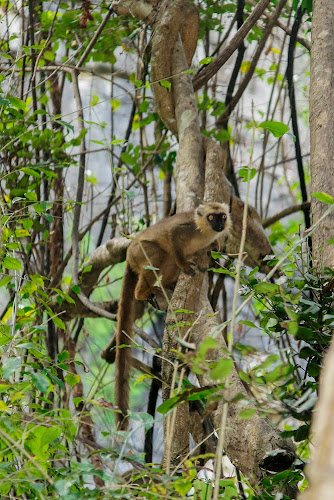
<point x="250" y="442"/>
<point x="320" y="471"/>
<point x="322" y="126"/>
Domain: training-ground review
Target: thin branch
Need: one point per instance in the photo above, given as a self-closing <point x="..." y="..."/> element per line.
<point x="95" y="37"/>
<point x="287" y="211"/>
<point x="243" y="85"/>
<point x="292" y="98"/>
<point x="81" y="179"/>
<point x="212" y="68"/>
<point x="287" y="30"/>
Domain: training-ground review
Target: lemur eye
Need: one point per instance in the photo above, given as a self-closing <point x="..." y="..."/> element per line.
<point x="210" y="217"/>
<point x="224" y="216"/>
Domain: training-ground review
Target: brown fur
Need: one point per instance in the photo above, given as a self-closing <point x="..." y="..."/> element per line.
<point x="167" y="247"/>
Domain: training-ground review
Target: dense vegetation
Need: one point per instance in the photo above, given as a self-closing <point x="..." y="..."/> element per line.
<point x="70" y="180"/>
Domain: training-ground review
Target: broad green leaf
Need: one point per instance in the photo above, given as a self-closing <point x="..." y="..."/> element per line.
<point x="49" y="55"/>
<point x="276" y="128"/>
<point x="5" y="280"/>
<point x="3" y="406"/>
<point x="165" y="83"/>
<point x="62" y="356"/>
<point x="324" y="197"/>
<point x="222" y="369"/>
<point x="36" y="278"/>
<point x="208" y="343"/>
<point x="41" y="382"/>
<point x="247" y="174"/>
<point x="115" y="103"/>
<point x="4" y="339"/>
<point x="167" y="405"/>
<point x="10" y="365"/>
<point x="12" y="263"/>
<point x="76" y="289"/>
<point x="72" y="379"/>
<point x="130" y="194"/>
<point x="58" y="322"/>
<point x="266" y="288"/>
<point x="30" y="171"/>
<point x="94" y="100"/>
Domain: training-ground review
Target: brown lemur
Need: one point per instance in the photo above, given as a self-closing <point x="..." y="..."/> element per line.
<point x="166" y="246"/>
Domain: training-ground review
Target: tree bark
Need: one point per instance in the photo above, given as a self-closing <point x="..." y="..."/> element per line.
<point x="322" y="126"/>
<point x="320" y="470"/>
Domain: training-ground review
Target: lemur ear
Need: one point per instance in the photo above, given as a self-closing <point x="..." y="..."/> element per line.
<point x="199" y="211"/>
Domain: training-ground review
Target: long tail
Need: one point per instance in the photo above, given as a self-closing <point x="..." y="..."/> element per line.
<point x="125" y="319"/>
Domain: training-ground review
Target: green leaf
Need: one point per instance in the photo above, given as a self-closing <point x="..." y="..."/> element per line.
<point x="12" y="263"/>
<point x="115" y="103"/>
<point x="247" y="174"/>
<point x="72" y="379"/>
<point x="30" y="171"/>
<point x="276" y="128"/>
<point x="266" y="288"/>
<point x="324" y="197"/>
<point x="167" y="405"/>
<point x="63" y="355"/>
<point x="5" y="281"/>
<point x="130" y="194"/>
<point x="49" y="55"/>
<point x="244" y="67"/>
<point x="165" y="83"/>
<point x="222" y="369"/>
<point x="248" y="323"/>
<point x="37" y="279"/>
<point x="41" y="382"/>
<point x="94" y="100"/>
<point x="208" y="343"/>
<point x="64" y="296"/>
<point x="77" y="401"/>
<point x="118" y="141"/>
<point x="206" y="60"/>
<point x="76" y="289"/>
<point x="87" y="269"/>
<point x="247" y="413"/>
<point x="58" y="322"/>
<point x="63" y="486"/>
<point x="244" y="377"/>
<point x="10" y="365"/>
<point x="4" y="339"/>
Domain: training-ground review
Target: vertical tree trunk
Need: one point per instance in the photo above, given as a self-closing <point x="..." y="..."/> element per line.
<point x="322" y="125"/>
<point x="320" y="471"/>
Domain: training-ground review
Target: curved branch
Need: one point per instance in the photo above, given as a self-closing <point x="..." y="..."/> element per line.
<point x="287" y="211"/>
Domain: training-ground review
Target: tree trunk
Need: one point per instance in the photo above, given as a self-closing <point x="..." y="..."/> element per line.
<point x="322" y="126"/>
<point x="319" y="472"/>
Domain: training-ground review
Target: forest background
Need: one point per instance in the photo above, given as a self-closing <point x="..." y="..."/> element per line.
<point x="114" y="116"/>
